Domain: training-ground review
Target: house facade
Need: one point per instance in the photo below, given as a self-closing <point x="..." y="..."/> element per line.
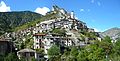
<point x="6" y="46"/>
<point x="45" y="41"/>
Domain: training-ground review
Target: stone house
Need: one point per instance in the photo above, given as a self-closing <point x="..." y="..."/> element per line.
<point x="6" y="46"/>
<point x="27" y="54"/>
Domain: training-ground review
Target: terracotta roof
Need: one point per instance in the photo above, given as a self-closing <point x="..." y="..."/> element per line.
<point x="26" y="50"/>
<point x="5" y="39"/>
<point x="39" y="34"/>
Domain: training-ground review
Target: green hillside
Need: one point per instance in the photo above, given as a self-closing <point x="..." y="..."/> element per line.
<point x="10" y="20"/>
<point x="51" y="15"/>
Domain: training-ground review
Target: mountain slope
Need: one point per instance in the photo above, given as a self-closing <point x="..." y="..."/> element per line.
<point x="10" y="20"/>
<point x="114" y="33"/>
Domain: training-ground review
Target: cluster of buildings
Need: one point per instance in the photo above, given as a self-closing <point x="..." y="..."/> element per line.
<point x="65" y="21"/>
<point x="44" y="39"/>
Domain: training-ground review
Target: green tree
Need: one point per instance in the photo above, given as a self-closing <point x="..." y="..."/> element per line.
<point x="82" y="56"/>
<point x="107" y="39"/>
<point x="11" y="57"/>
<point x="95" y="52"/>
<point x="107" y="46"/>
<point x="115" y="56"/>
<point x="66" y="55"/>
<point x="2" y="57"/>
<point x="54" y="53"/>
<point x="73" y="53"/>
<point x="117" y="47"/>
<point x="33" y="59"/>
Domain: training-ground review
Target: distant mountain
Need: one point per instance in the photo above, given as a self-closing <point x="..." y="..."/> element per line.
<point x="114" y="33"/>
<point x="10" y="20"/>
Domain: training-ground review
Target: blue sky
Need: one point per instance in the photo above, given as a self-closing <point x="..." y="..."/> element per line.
<point x="98" y="14"/>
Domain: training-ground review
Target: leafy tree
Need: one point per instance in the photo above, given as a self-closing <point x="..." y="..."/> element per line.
<point x="33" y="59"/>
<point x="22" y="59"/>
<point x="107" y="46"/>
<point x="54" y="53"/>
<point x="107" y="39"/>
<point x="2" y="57"/>
<point x="116" y="55"/>
<point x="73" y="53"/>
<point x="82" y="56"/>
<point x="11" y="57"/>
<point x="65" y="56"/>
<point x="95" y="52"/>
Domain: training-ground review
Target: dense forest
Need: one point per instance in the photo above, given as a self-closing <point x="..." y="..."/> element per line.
<point x="10" y="20"/>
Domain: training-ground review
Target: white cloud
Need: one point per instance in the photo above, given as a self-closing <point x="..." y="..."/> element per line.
<point x="81" y="10"/>
<point x="4" y="7"/>
<point x="42" y="10"/>
<point x="99" y="4"/>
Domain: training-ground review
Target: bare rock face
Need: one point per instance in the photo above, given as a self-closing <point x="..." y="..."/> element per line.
<point x="114" y="33"/>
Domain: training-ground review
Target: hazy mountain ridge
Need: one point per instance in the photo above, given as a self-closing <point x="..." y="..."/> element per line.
<point x="114" y="33"/>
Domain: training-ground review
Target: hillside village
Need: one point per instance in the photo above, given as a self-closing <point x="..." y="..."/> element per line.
<point x="63" y="29"/>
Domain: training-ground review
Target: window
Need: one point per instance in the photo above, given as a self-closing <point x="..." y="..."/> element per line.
<point x="37" y="43"/>
<point x="47" y="49"/>
<point x="45" y="41"/>
<point x="51" y="42"/>
<point x="39" y="40"/>
<point x="37" y="47"/>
